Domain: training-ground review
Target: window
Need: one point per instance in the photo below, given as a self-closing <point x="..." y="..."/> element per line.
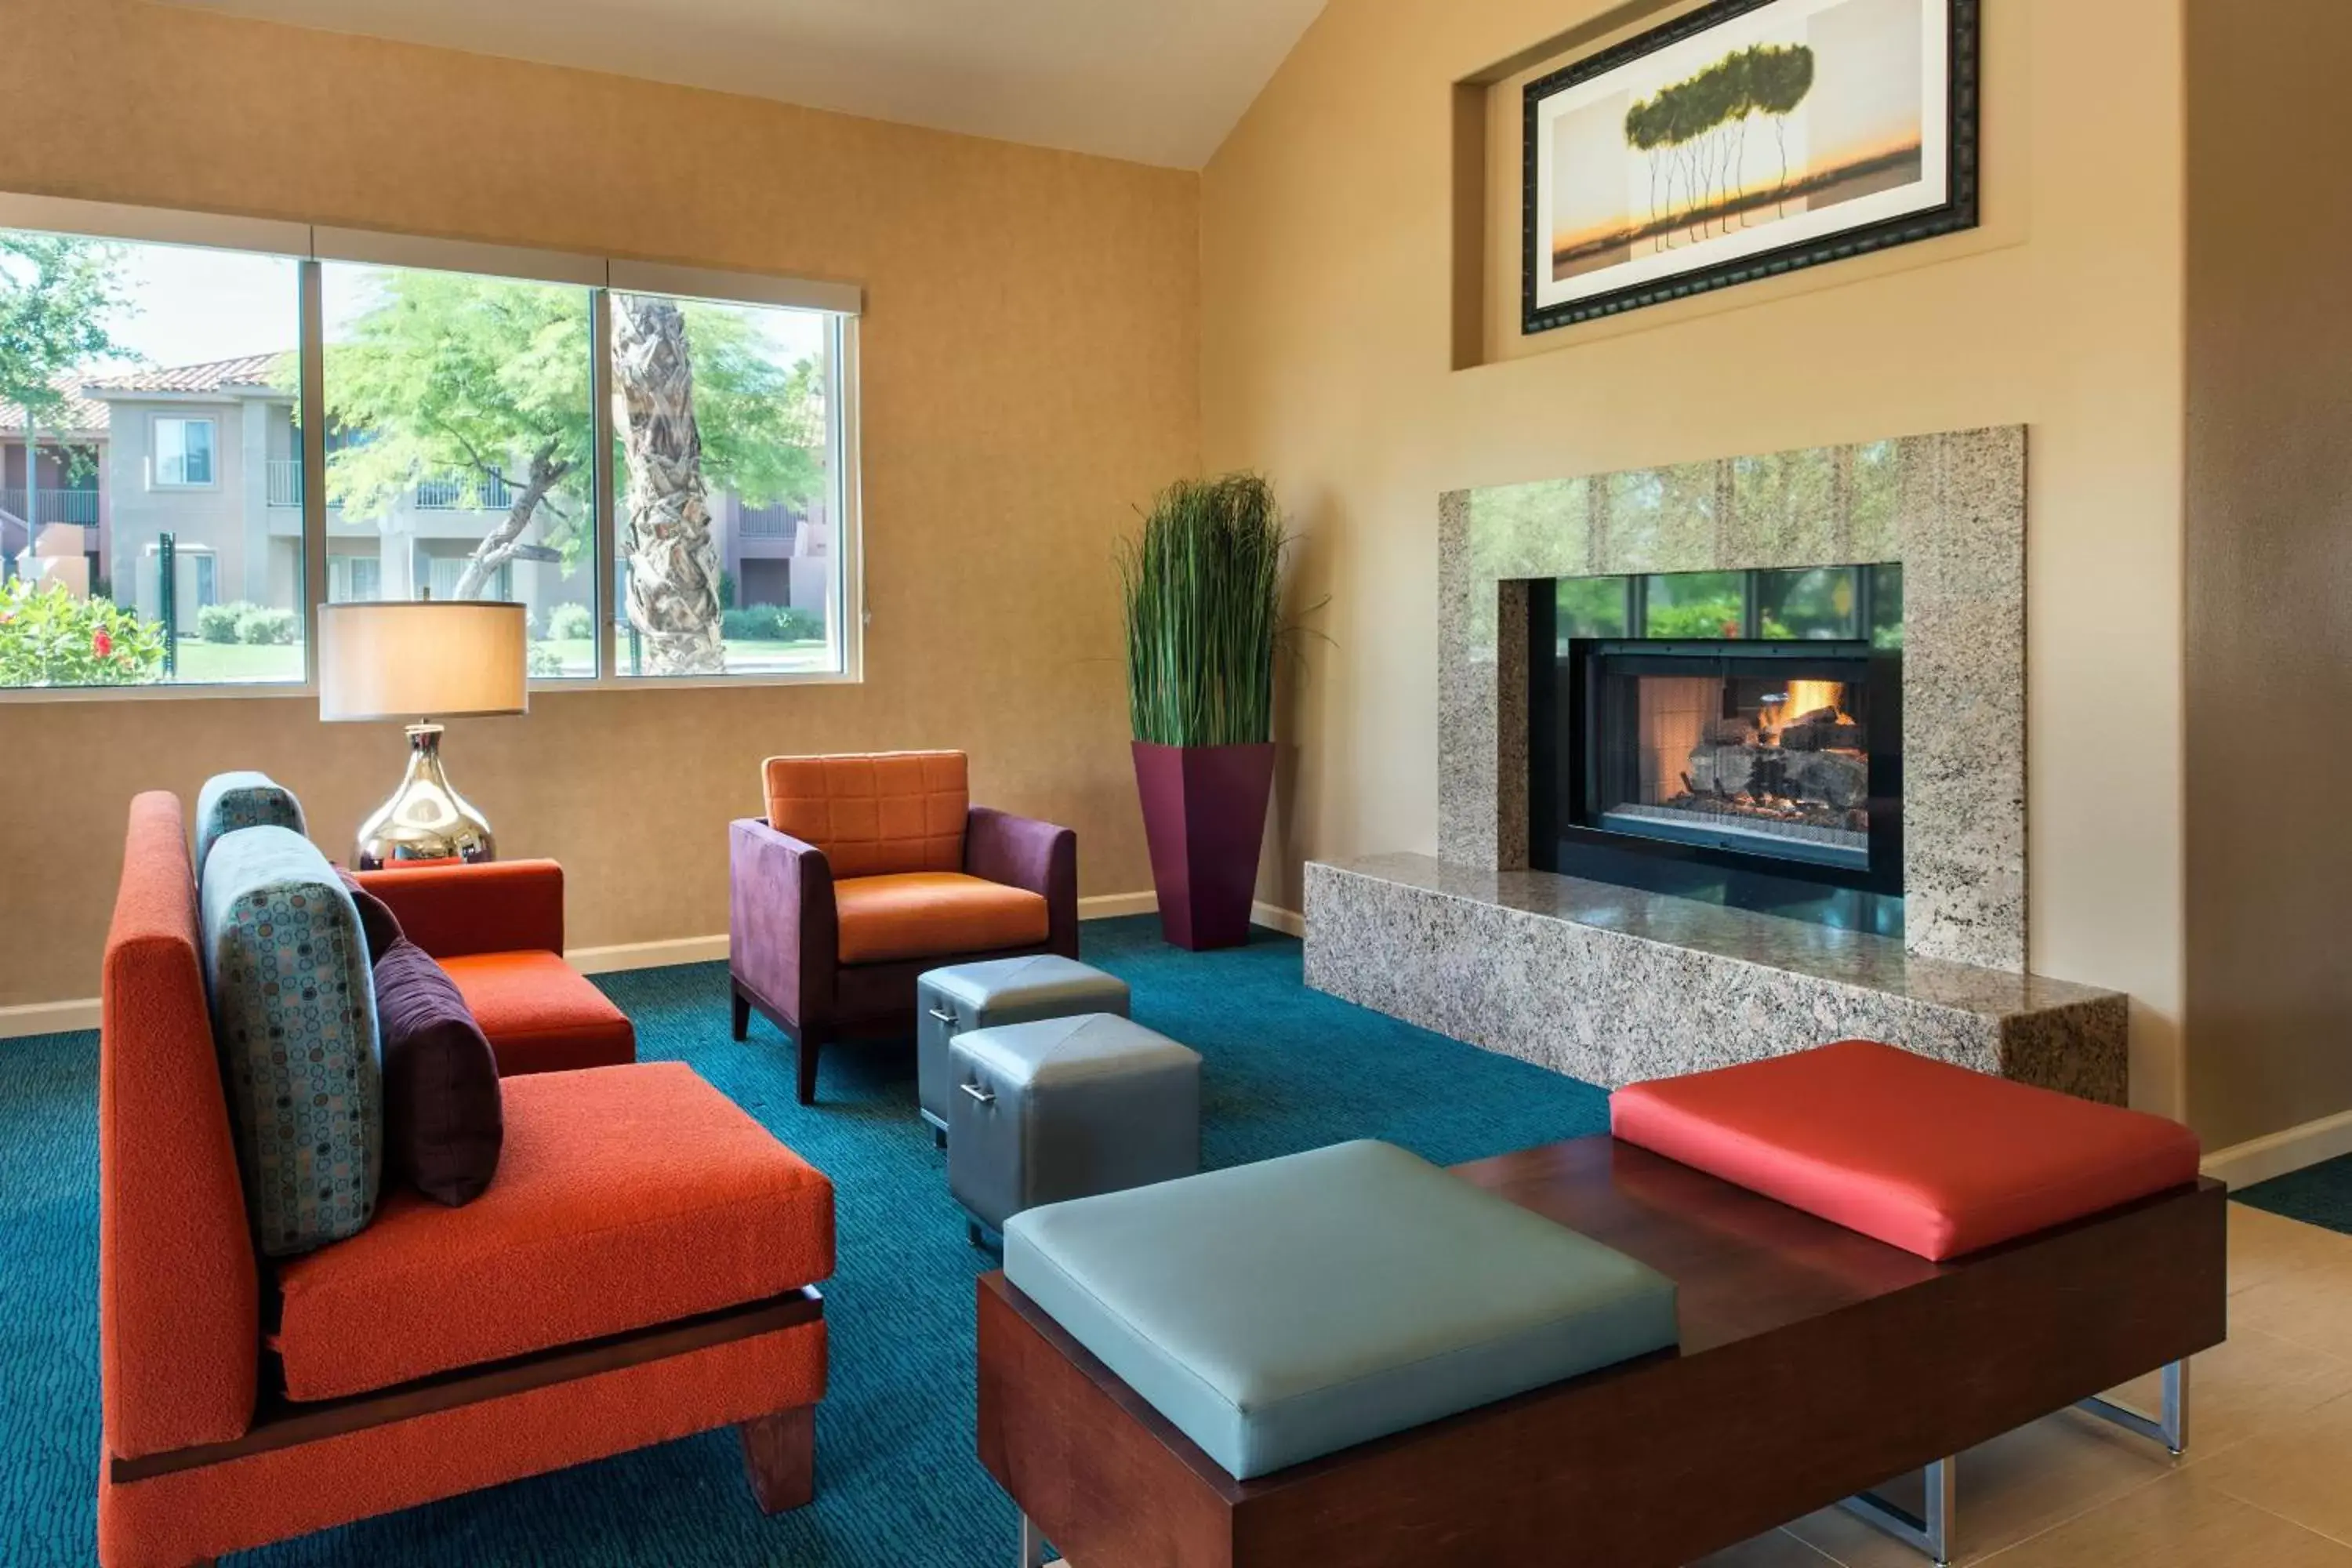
<point x="727" y="487"/>
<point x="184" y="452"/>
<point x="465" y="447"/>
<point x="658" y="463"/>
<point x="182" y="574"/>
<point x="1696" y="604"/>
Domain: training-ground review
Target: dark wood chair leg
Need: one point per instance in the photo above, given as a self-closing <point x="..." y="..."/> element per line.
<point x="740" y="1007"/>
<point x="806" y="1046"/>
<point x="780" y="1458"/>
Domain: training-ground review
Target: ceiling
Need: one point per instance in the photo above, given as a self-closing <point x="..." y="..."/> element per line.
<point x="1158" y="81"/>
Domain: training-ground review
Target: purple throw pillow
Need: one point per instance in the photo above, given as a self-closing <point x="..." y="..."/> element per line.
<point x="379" y="927"/>
<point x="443" y="1120"/>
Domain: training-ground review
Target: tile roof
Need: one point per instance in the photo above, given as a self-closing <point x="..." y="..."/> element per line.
<point x="81" y="417"/>
<point x="250" y="370"/>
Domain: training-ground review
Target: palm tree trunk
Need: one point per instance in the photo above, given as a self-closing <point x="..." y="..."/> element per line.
<point x="673" y="561"/>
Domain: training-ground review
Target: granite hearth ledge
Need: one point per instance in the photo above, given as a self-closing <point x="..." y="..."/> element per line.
<point x="1613" y="986"/>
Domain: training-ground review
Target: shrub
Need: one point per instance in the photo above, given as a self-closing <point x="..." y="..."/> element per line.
<point x="757" y="623"/>
<point x="217" y="622"/>
<point x="800" y="625"/>
<point x="543" y="661"/>
<point x="265" y="627"/>
<point x="570" y="622"/>
<point x="726" y="589"/>
<point x="49" y="637"/>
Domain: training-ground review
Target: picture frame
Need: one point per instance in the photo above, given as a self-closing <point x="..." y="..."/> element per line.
<point x="1743" y="139"/>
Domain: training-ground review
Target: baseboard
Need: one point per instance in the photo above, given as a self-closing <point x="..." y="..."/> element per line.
<point x="48" y="1017"/>
<point x="1108" y="906"/>
<point x="2277" y="1153"/>
<point x="647" y="955"/>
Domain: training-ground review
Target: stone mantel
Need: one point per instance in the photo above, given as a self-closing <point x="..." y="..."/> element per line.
<point x="1613" y="986"/>
<point x="1950" y="508"/>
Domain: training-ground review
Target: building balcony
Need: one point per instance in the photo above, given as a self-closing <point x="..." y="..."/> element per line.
<point x="286" y="481"/>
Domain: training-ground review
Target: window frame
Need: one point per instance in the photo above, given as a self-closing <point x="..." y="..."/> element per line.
<point x="310" y="246"/>
<point x="155" y="481"/>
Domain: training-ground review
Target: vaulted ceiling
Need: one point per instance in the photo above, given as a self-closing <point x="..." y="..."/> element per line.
<point x="1159" y="81"/>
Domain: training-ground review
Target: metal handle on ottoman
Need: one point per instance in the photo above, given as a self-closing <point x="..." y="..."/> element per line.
<point x="944" y="1016"/>
<point x="985" y="1095"/>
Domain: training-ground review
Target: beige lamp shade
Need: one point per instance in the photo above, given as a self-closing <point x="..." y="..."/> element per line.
<point x="428" y="658"/>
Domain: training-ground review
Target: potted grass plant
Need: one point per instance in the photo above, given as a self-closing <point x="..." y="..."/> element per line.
<point x="1203" y="584"/>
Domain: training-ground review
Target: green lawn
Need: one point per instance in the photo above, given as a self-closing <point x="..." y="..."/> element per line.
<point x="207" y="663"/>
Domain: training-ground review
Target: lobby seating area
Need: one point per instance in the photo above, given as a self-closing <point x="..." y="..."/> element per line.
<point x="1319" y="784"/>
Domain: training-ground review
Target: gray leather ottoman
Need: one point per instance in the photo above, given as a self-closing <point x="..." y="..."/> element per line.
<point x="1067" y="1108"/>
<point x="997" y="991"/>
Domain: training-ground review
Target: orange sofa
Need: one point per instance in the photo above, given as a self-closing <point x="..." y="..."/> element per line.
<point x="868" y="870"/>
<point x="641" y="1268"/>
<point x="498" y="927"/>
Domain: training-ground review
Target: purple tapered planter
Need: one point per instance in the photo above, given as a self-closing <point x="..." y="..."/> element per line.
<point x="1204" y="817"/>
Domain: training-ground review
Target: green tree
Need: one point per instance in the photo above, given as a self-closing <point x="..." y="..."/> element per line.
<point x="55" y="296"/>
<point x="486" y="381"/>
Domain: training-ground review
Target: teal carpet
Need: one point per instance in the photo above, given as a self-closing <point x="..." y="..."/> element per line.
<point x="897" y="1484"/>
<point x="2316" y="1194"/>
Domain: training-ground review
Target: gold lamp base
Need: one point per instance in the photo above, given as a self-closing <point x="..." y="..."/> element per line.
<point x="424" y="819"/>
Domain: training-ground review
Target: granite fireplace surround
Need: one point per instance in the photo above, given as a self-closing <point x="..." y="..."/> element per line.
<point x="1613" y="986"/>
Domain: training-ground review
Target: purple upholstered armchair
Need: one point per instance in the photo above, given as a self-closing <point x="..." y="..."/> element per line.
<point x="868" y="870"/>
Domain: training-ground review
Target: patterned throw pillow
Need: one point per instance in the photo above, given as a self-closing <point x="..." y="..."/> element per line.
<point x="231" y="801"/>
<point x="294" y="1020"/>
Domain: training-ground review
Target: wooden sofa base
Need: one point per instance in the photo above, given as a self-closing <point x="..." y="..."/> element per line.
<point x="294" y="1445"/>
<point x="1815" y="1364"/>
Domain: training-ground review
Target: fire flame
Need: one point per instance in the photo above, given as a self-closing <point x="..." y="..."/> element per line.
<point x="1803" y="697"/>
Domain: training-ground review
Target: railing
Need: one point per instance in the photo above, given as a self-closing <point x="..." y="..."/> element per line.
<point x="775" y="521"/>
<point x="464" y="495"/>
<point x="52" y="506"/>
<point x="285" y="481"/>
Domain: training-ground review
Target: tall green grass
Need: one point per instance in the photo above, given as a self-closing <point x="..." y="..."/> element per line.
<point x="1204" y="590"/>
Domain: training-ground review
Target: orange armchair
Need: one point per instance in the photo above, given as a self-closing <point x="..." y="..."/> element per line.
<point x="497" y="928"/>
<point x="868" y="870"/>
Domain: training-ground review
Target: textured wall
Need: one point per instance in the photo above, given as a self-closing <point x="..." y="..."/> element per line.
<point x="2270" y="566"/>
<point x="1030" y="362"/>
<point x="1330" y="327"/>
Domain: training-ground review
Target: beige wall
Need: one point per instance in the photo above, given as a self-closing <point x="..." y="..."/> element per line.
<point x="2270" y="565"/>
<point x="1030" y="364"/>
<point x="1329" y="330"/>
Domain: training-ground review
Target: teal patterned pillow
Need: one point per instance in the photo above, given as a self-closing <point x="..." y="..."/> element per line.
<point x="231" y="801"/>
<point x="294" y="1020"/>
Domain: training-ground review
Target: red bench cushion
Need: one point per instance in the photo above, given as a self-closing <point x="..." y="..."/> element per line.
<point x="1921" y="1155"/>
<point x="539" y="1013"/>
<point x="625" y="1196"/>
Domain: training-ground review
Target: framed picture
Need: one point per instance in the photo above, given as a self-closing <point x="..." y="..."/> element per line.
<point x="1745" y="139"/>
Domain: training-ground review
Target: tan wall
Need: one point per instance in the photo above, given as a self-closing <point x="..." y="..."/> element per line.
<point x="1030" y="364"/>
<point x="1329" y="328"/>
<point x="2270" y="565"/>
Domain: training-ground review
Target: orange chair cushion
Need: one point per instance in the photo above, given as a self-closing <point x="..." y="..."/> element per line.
<point x="539" y="1013"/>
<point x="933" y="914"/>
<point x="1921" y="1155"/>
<point x="873" y="815"/>
<point x="625" y="1196"/>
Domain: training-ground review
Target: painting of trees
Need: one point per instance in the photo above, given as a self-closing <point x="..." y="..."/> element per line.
<point x="1696" y="131"/>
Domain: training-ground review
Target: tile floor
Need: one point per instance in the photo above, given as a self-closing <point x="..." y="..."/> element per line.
<point x="2266" y="1483"/>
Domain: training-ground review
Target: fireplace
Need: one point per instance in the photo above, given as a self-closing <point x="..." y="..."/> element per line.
<point x="1763" y="771"/>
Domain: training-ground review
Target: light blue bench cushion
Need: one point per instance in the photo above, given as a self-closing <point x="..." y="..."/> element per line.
<point x="231" y="801"/>
<point x="1279" y="1311"/>
<point x="294" y="1020"/>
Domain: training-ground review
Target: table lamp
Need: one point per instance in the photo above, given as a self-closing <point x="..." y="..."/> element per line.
<point x="454" y="659"/>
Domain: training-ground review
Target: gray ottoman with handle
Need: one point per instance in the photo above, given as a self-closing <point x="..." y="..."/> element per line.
<point x="995" y="991"/>
<point x="1067" y="1108"/>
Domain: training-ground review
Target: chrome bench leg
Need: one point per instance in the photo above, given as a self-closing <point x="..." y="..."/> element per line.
<point x="2169" y="1427"/>
<point x="1033" y="1544"/>
<point x="1931" y="1535"/>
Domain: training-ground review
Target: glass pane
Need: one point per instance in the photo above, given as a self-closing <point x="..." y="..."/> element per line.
<point x="1696" y="604"/>
<point x="458" y="442"/>
<point x="1887" y="606"/>
<point x="1819" y="603"/>
<point x="727" y="488"/>
<point x="1590" y="607"/>
<point x="112" y="556"/>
